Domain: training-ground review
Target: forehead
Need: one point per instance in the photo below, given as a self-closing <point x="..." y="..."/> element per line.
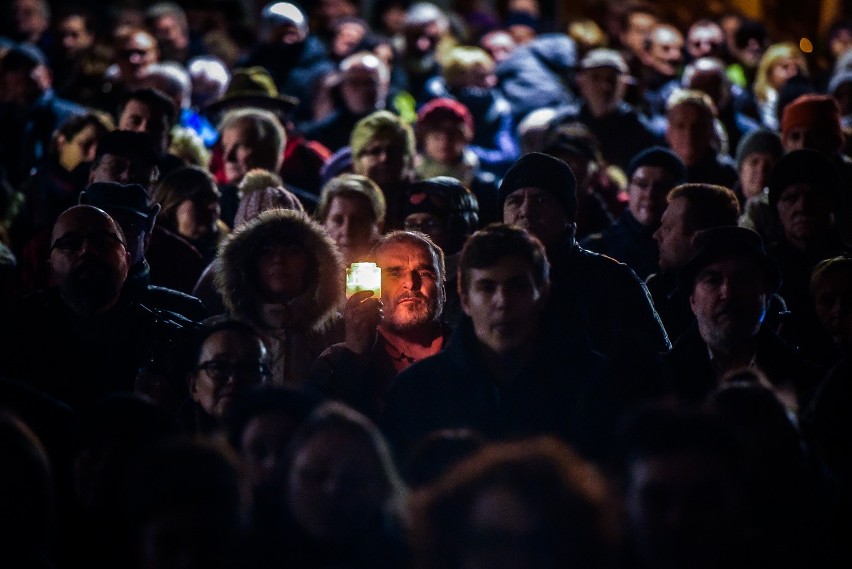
<point x="226" y="340"/>
<point x="532" y="191"/>
<point x="82" y="219"/>
<point x="140" y="41"/>
<point x="350" y="203"/>
<point x="404" y="252"/>
<point x="732" y="264"/>
<point x="509" y="267"/>
<point x="688" y="111"/>
<point x="649" y="173"/>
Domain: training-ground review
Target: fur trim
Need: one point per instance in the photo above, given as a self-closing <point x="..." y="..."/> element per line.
<point x="238" y="253"/>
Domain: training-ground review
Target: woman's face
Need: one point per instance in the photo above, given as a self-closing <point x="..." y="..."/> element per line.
<point x="197" y="218"/>
<point x="782" y="70"/>
<point x="350" y="224"/>
<point x="230" y="363"/>
<point x="282" y="271"/>
<point x="79" y="148"/>
<point x="336" y="485"/>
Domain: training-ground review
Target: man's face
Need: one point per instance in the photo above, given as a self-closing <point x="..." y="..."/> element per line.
<point x="666" y="52"/>
<point x="498" y="44"/>
<point x="138" y="52"/>
<point x="601" y="88"/>
<point x="421" y="41"/>
<point x="681" y="507"/>
<point x="504" y="303"/>
<point x="88" y="259"/>
<point x="30" y="21"/>
<point x="238" y="149"/>
<point x="136" y="116"/>
<point x="444" y="142"/>
<point x="412" y="295"/>
<point x="705" y="41"/>
<point x="122" y="169"/>
<point x="805" y="213"/>
<point x="169" y="33"/>
<point x="821" y="139"/>
<point x="647" y="194"/>
<point x="673" y="239"/>
<point x="383" y="160"/>
<point x="639" y="25"/>
<point x="361" y="89"/>
<point x="537" y="211"/>
<point x="74" y="36"/>
<point x="754" y="173"/>
<point x="282" y="271"/>
<point x="729" y="302"/>
<point x="690" y="133"/>
<point x="833" y="303"/>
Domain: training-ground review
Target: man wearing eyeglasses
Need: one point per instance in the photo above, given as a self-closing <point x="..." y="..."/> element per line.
<point x="83" y="339"/>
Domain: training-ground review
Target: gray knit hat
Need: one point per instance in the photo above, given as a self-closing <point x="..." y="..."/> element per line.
<point x="759" y="140"/>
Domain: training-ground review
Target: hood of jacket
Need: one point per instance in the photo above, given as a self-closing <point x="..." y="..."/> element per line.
<point x="236" y="281"/>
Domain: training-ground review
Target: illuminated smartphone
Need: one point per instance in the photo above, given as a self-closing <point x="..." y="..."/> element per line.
<point x="363" y="276"/>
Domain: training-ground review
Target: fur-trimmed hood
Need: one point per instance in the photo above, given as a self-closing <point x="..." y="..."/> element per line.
<point x="236" y="282"/>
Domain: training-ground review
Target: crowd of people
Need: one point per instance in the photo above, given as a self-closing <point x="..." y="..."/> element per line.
<point x="614" y="322"/>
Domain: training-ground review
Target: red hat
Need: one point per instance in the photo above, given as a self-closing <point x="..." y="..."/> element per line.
<point x="812" y="111"/>
<point x="437" y="109"/>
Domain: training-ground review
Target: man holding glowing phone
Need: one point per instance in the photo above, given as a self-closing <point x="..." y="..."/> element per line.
<point x="386" y="333"/>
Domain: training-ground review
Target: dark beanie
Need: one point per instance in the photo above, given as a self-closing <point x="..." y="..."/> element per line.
<point x="537" y="170"/>
<point x="662" y="158"/>
<point x="759" y="140"/>
<point x="808" y="167"/>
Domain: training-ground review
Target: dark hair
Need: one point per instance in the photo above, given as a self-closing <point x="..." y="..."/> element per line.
<point x="494" y="242"/>
<point x="336" y="416"/>
<point x="577" y="526"/>
<point x="262" y="400"/>
<point x="749" y="29"/>
<point x="708" y="205"/>
<point x="211" y="327"/>
<point x="184" y="183"/>
<point x="158" y="102"/>
<point x="135" y="145"/>
<point x="662" y="431"/>
<point x="72" y="126"/>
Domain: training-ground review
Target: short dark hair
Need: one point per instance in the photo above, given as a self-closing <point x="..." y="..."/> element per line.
<point x="708" y="205"/>
<point x="494" y="242"/>
<point x="136" y="145"/>
<point x="158" y="102"/>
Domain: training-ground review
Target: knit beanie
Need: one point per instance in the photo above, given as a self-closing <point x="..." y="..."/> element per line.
<point x="537" y="170"/>
<point x="381" y="124"/>
<point x="805" y="166"/>
<point x="254" y="203"/>
<point x="444" y="108"/>
<point x="662" y="158"/>
<point x="812" y="111"/>
<point x="759" y="140"/>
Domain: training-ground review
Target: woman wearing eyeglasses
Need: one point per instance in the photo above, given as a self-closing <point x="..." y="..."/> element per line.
<point x="231" y="358"/>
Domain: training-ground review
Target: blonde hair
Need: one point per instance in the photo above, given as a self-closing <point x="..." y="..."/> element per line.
<point x="462" y="60"/>
<point x="352" y="185"/>
<point x="773" y="55"/>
